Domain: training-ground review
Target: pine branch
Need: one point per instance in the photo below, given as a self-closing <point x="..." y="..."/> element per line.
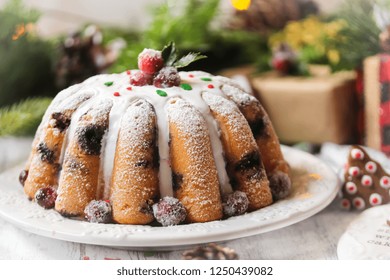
<point x="361" y="37"/>
<point x="22" y="119"/>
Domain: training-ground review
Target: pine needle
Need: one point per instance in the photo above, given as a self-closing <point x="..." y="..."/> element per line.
<point x="22" y="119"/>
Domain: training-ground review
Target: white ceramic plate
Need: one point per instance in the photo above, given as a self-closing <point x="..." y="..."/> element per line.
<point x="367" y="237"/>
<point x="314" y="186"/>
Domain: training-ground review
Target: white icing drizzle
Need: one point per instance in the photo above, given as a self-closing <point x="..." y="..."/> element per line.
<point x="105" y="85"/>
<point x="72" y="104"/>
<point x="216" y="146"/>
<point x="109" y="144"/>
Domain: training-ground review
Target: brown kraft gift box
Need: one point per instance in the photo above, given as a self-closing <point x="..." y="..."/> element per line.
<point x="310" y="109"/>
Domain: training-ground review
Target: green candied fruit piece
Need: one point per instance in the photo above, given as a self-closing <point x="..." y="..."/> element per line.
<point x="161" y="93"/>
<point x="108" y="84"/>
<point x="206" y="79"/>
<point x="186" y="86"/>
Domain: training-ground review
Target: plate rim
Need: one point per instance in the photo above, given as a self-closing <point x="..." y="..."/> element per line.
<point x="149" y="241"/>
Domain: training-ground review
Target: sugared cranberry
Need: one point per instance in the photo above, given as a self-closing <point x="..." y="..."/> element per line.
<point x="235" y="204"/>
<point x="167" y="77"/>
<point x="46" y="197"/>
<point x="150" y="61"/>
<point x="141" y="79"/>
<point x="169" y="211"/>
<point x="98" y="211"/>
<point x="280" y="185"/>
<point x="23" y="176"/>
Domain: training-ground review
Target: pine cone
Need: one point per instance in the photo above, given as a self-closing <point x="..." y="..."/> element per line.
<point x="210" y="252"/>
<point x="267" y="15"/>
<point x="83" y="55"/>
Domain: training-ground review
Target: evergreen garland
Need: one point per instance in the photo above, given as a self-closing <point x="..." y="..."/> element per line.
<point x="361" y="37"/>
<point x="189" y="24"/>
<point x="23" y="118"/>
<point x="26" y="60"/>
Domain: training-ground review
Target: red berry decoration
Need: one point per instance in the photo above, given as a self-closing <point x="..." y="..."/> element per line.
<point x="98" y="211"/>
<point x="150" y="61"/>
<point x="167" y="77"/>
<point x="169" y="211"/>
<point x="235" y="204"/>
<point x="46" y="197"/>
<point x="140" y="78"/>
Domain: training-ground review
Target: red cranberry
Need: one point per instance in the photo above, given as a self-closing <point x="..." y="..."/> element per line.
<point x="46" y="197"/>
<point x="167" y="77"/>
<point x="23" y="177"/>
<point x="98" y="211"/>
<point x="141" y="79"/>
<point x="235" y="204"/>
<point x="169" y="211"/>
<point x="150" y="61"/>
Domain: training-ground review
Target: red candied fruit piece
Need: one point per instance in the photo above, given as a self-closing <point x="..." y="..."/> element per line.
<point x="141" y="79"/>
<point x="150" y="61"/>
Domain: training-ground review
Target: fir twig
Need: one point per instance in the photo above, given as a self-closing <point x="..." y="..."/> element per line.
<point x="361" y="37"/>
<point x="22" y="119"/>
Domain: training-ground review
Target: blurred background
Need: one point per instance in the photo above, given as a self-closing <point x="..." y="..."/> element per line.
<point x="60" y="16"/>
<point x="318" y="66"/>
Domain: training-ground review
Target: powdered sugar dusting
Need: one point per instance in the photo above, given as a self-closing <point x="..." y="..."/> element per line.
<point x="200" y="170"/>
<point x="233" y="119"/>
<point x="190" y="105"/>
<point x="226" y="81"/>
<point x="150" y="53"/>
<point x="61" y="96"/>
<point x="237" y="95"/>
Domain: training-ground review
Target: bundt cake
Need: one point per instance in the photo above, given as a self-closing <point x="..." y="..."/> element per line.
<point x="152" y="142"/>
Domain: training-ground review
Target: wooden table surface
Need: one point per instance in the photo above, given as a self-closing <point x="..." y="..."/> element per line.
<point x="314" y="238"/>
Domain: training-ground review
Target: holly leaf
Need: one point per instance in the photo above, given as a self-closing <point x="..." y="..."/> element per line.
<point x="169" y="54"/>
<point x="188" y="59"/>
